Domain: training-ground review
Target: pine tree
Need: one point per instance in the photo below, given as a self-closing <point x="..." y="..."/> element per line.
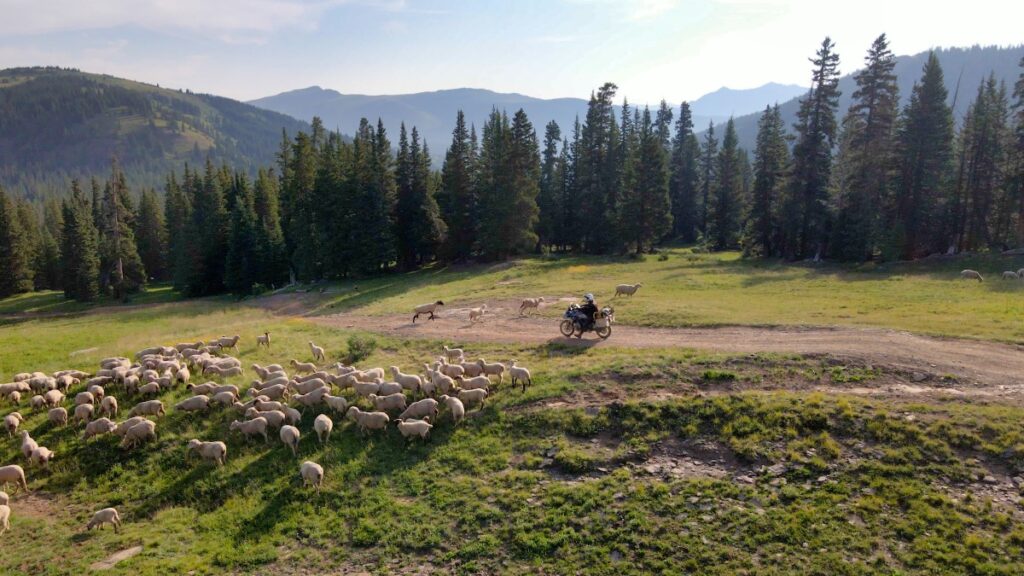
<point x="207" y="236"/>
<point x="79" y="248"/>
<point x="177" y="215"/>
<point x="419" y="230"/>
<point x="31" y="237"/>
<point x="548" y="197"/>
<point x="684" y="177"/>
<point x="458" y="195"/>
<point x="663" y="126"/>
<point x="572" y="221"/>
<point x="597" y="172"/>
<point x="151" y="236"/>
<point x="49" y="272"/>
<point x="726" y="201"/>
<point x="121" y="269"/>
<point x="299" y="202"/>
<point x="241" y="268"/>
<point x="771" y="156"/>
<point x="645" y="209"/>
<point x="708" y="175"/>
<point x="1016" y="183"/>
<point x="272" y="270"/>
<point x="985" y="137"/>
<point x="15" y="256"/>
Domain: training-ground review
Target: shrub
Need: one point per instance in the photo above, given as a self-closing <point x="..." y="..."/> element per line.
<point x="718" y="375"/>
<point x="360" y="348"/>
<point x="662" y="257"/>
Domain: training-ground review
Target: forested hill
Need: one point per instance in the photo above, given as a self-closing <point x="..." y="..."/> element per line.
<point x="964" y="68"/>
<point x="56" y="124"/>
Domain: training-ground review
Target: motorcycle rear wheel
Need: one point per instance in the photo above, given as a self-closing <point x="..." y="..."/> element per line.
<point x="567" y="328"/>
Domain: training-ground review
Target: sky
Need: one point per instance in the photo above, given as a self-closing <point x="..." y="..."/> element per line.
<point x="652" y="49"/>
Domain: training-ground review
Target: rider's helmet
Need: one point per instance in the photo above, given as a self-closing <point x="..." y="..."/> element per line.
<point x="588" y="297"/>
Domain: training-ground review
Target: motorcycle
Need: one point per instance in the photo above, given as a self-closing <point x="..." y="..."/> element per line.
<point x="575" y="322"/>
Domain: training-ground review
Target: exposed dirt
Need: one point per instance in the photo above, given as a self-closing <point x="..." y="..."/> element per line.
<point x="113" y="559"/>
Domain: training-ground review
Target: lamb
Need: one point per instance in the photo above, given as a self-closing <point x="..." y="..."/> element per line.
<point x="27" y="444"/>
<point x="477" y="396"/>
<point x="492" y="369"/>
<point x="84" y="398"/>
<point x="215" y="451"/>
<point x="426" y="309"/>
<point x="389" y="402"/>
<point x="98" y="427"/>
<point x="410" y="428"/>
<point x="125" y="426"/>
<point x="109" y="406"/>
<point x="274" y="418"/>
<point x="226" y="342"/>
<point x="255" y="427"/>
<point x="148" y="408"/>
<point x="478" y="382"/>
<point x="971" y="275"/>
<point x="290" y="437"/>
<point x="15" y="474"/>
<point x="520" y="374"/>
<point x="312" y="473"/>
<point x="368" y="420"/>
<point x="12" y="421"/>
<point x="105" y="516"/>
<point x="477" y="313"/>
<point x="323" y="426"/>
<point x="292" y="415"/>
<point x="452" y="370"/>
<point x="420" y="409"/>
<point x="452" y="354"/>
<point x="5" y="518"/>
<point x="15" y="398"/>
<point x="193" y="404"/>
<point x="530" y="304"/>
<point x="142" y="431"/>
<point x="225" y="398"/>
<point x="83" y="412"/>
<point x="455" y="407"/>
<point x="37" y="402"/>
<point x="97" y="392"/>
<point x="151" y="389"/>
<point x="263" y="340"/>
<point x="58" y="416"/>
<point x="337" y="403"/>
<point x="1010" y="275"/>
<point x="410" y="382"/>
<point x="41" y="456"/>
<point x="626" y="289"/>
<point x="318" y="352"/>
<point x="183" y="375"/>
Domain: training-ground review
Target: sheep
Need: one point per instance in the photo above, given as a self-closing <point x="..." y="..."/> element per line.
<point x="290" y="437"/>
<point x="318" y="352"/>
<point x="12" y="421"/>
<point x="308" y="386"/>
<point x="275" y="381"/>
<point x="84" y="398"/>
<point x="452" y="370"/>
<point x="426" y="309"/>
<point x="185" y="345"/>
<point x="15" y="398"/>
<point x="323" y="426"/>
<point x="1020" y="273"/>
<point x="123" y="427"/>
<point x="254" y="427"/>
<point x="4" y="498"/>
<point x="477" y="313"/>
<point x="274" y="418"/>
<point x="1010" y="275"/>
<point x="13" y="473"/>
<point x="455" y="407"/>
<point x="389" y="402"/>
<point x="5" y="517"/>
<point x="368" y="420"/>
<point x="131" y="384"/>
<point x="105" y="516"/>
<point x="109" y="406"/>
<point x="263" y="340"/>
<point x="520" y="374"/>
<point x="151" y="389"/>
<point x="410" y="428"/>
<point x="226" y="342"/>
<point x="262" y="372"/>
<point x="482" y="382"/>
<point x="98" y="427"/>
<point x="302" y="367"/>
<point x="452" y="354"/>
<point x="626" y="289"/>
<point x="137" y="434"/>
<point x="440" y="382"/>
<point x="411" y="382"/>
<point x="337" y="403"/>
<point x="148" y="408"/>
<point x="267" y="405"/>
<point x="27" y="444"/>
<point x="225" y="398"/>
<point x="420" y="409"/>
<point x="215" y="451"/>
<point x="313" y="398"/>
<point x="97" y="392"/>
<point x="471" y="369"/>
<point x="37" y="402"/>
<point x="312" y="473"/>
<point x="492" y="369"/>
<point x="58" y="416"/>
<point x="22" y="376"/>
<point x="477" y="396"/>
<point x="84" y="412"/>
<point x="365" y="389"/>
<point x="193" y="404"/>
<point x="222" y="372"/>
<point x="275" y="392"/>
<point x="971" y="275"/>
<point x="204" y="388"/>
<point x="530" y="304"/>
<point x="41" y="456"/>
<point x="182" y="376"/>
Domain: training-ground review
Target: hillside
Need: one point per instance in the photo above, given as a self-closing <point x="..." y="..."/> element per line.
<point x="59" y="123"/>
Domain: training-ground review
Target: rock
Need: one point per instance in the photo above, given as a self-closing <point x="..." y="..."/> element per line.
<point x="776" y="482"/>
<point x="602" y="469"/>
<point x="616" y="556"/>
<point x="822" y="479"/>
<point x="619" y="496"/>
<point x="776" y="469"/>
<point x="745" y="479"/>
<point x="1017" y="481"/>
<point x="918" y="377"/>
<point x="989" y="479"/>
<point x="546" y="462"/>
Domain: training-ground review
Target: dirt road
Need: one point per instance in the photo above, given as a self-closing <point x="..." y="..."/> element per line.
<point x="973" y="363"/>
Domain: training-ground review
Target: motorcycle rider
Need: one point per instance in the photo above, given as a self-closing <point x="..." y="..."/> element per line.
<point x="589" y="309"/>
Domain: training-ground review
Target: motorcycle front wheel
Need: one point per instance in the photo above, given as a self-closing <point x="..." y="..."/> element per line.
<point x="566" y="328"/>
<point x="605" y="332"/>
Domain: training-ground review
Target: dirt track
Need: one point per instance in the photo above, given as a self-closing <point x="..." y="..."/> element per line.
<point x="973" y="363"/>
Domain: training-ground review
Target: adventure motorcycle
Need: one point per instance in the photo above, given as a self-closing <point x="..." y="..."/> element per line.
<point x="575" y="322"/>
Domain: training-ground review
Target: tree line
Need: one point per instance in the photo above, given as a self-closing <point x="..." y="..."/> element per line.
<point x="878" y="183"/>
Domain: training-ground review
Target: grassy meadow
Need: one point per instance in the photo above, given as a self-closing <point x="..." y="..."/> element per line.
<point x="616" y="461"/>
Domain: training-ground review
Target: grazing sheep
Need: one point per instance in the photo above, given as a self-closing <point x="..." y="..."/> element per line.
<point x="971" y="275"/>
<point x="185" y="345"/>
<point x="5" y="518"/>
<point x="368" y="420"/>
<point x="275" y="381"/>
<point x="225" y="398"/>
<point x="84" y="412"/>
<point x="264" y="371"/>
<point x="204" y="388"/>
<point x="1010" y="275"/>
<point x="470" y="397"/>
<point x="84" y="398"/>
<point x="388" y="388"/>
<point x="477" y="313"/>
<point x="27" y="444"/>
<point x="37" y="402"/>
<point x="626" y="289"/>
<point x="438" y="382"/>
<point x="482" y="382"/>
<point x="125" y="426"/>
<point x="97" y="392"/>
<point x="337" y="403"/>
<point x="274" y="418"/>
<point x="364" y="389"/>
<point x="255" y="427"/>
<point x="302" y="367"/>
<point x="312" y="473"/>
<point x="452" y="354"/>
<point x="263" y="340"/>
<point x="426" y="309"/>
<point x="98" y="427"/>
<point x="519" y="374"/>
<point x="193" y="404"/>
<point x="389" y="402"/>
<point x="530" y="304"/>
<point x="145" y="430"/>
<point x="41" y="456"/>
<point x="275" y="392"/>
<point x="4" y="498"/>
<point x="1020" y="273"/>
<point x="411" y="382"/>
<point x="12" y="421"/>
<point x="58" y="416"/>
<point x="290" y="437"/>
<point x="151" y="389"/>
<point x="411" y="428"/>
<point x="267" y="405"/>
<point x="109" y="406"/>
<point x="492" y="369"/>
<point x="182" y="376"/>
<point x="15" y="398"/>
<point x="216" y="452"/>
<point x="15" y="474"/>
<point x="323" y="426"/>
<point x="455" y="407"/>
<point x="105" y="516"/>
<point x="420" y="409"/>
<point x="148" y="408"/>
<point x="318" y="352"/>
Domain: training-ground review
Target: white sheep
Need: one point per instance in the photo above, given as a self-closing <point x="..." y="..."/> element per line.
<point x="337" y="403"/>
<point x="37" y="402"/>
<point x="263" y="340"/>
<point x="109" y="406"/>
<point x="84" y="412"/>
<point x="364" y="389"/>
<point x="455" y="407"/>
<point x="105" y="516"/>
<point x="307" y="386"/>
<point x="471" y="369"/>
<point x="452" y="354"/>
<point x="98" y="427"/>
<point x="13" y="473"/>
<point x="194" y="404"/>
<point x="264" y="405"/>
<point x="971" y="275"/>
<point x="5" y="518"/>
<point x="148" y="408"/>
<point x="182" y="376"/>
<point x="530" y="304"/>
<point x="223" y="372"/>
<point x="145" y="430"/>
<point x="476" y="396"/>
<point x="420" y="409"/>
<point x="451" y="370"/>
<point x="213" y="451"/>
<point x="312" y="473"/>
<point x="302" y="367"/>
<point x="12" y="421"/>
<point x="368" y="420"/>
<point x="225" y="398"/>
<point x="84" y="398"/>
<point x="323" y="426"/>
<point x="1020" y="273"/>
<point x="318" y="352"/>
<point x="53" y="398"/>
<point x="274" y="418"/>
<point x="389" y="402"/>
<point x="228" y="342"/>
<point x="151" y="389"/>
<point x="15" y="398"/>
<point x="123" y="427"/>
<point x="185" y="345"/>
<point x="477" y="382"/>
<point x="290" y="437"/>
<point x="626" y="289"/>
<point x="97" y="392"/>
<point x="426" y="309"/>
<point x="410" y="382"/>
<point x="477" y="313"/>
<point x="4" y="498"/>
<point x="1010" y="275"/>
<point x="492" y="369"/>
<point x="58" y="416"/>
<point x="41" y="456"/>
<point x="27" y="444"/>
<point x="519" y="374"/>
<point x="255" y="427"/>
<point x="411" y="428"/>
<point x="388" y="388"/>
<point x="275" y="392"/>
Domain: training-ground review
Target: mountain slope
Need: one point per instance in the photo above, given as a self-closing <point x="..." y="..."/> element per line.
<point x="56" y="124"/>
<point x="725" y="102"/>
